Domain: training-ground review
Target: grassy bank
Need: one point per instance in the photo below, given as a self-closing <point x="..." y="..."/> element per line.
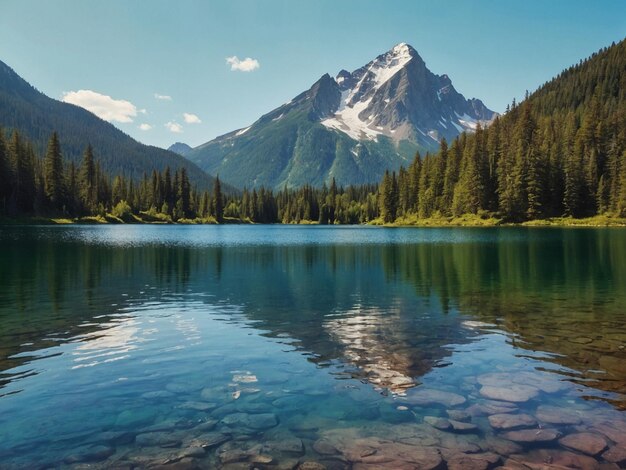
<point x="467" y="220"/>
<point x="489" y="220"/>
<point x="142" y="218"/>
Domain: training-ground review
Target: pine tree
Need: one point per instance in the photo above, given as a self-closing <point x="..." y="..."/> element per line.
<point x="6" y="175"/>
<point x="71" y="194"/>
<point x="24" y="184"/>
<point x="388" y="198"/>
<point x="535" y="184"/>
<point x="87" y="181"/>
<point x="205" y="205"/>
<point x="415" y="171"/>
<point x="218" y="200"/>
<point x="468" y="193"/>
<point x="53" y="173"/>
<point x="621" y="200"/>
<point x="425" y="199"/>
<point x="574" y="182"/>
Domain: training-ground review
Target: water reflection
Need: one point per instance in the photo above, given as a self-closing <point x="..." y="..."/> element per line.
<point x="137" y="314"/>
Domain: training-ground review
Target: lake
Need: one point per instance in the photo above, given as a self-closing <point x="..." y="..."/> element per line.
<point x="312" y="347"/>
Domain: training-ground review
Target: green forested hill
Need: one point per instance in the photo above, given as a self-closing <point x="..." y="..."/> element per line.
<point x="37" y="116"/>
<point x="562" y="151"/>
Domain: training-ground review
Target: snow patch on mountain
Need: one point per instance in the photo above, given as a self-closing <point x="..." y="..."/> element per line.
<point x="347" y="119"/>
<point x="357" y="99"/>
<point x="391" y="63"/>
<point x="467" y="121"/>
<point x="243" y="131"/>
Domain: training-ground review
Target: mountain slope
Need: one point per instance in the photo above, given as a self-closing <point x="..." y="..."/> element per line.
<point x="351" y="128"/>
<point x="35" y="115"/>
<point x="180" y="148"/>
<point x="560" y="152"/>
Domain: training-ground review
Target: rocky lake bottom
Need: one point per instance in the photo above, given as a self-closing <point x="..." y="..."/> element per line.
<point x="312" y="348"/>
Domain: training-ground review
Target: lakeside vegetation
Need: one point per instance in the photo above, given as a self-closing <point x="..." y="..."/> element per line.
<point x="49" y="190"/>
<point x="558" y="158"/>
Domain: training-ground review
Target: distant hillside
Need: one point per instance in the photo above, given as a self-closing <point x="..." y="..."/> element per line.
<point x="180" y="148"/>
<point x="35" y="115"/>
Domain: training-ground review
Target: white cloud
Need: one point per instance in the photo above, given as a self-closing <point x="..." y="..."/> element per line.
<point x="145" y="127"/>
<point x="163" y="97"/>
<point x="174" y="127"/>
<point x="246" y="65"/>
<point x="191" y="118"/>
<point x="101" y="105"/>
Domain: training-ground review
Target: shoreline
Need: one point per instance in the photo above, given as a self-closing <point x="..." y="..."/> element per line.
<point x="469" y="221"/>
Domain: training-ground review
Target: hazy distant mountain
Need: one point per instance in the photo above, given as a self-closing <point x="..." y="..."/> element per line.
<point x="35" y="115"/>
<point x="180" y="148"/>
<point x="352" y="127"/>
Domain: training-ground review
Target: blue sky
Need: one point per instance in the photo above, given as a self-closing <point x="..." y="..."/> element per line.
<point x="132" y="51"/>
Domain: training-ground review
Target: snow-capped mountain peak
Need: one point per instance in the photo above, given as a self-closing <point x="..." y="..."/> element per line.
<point x="397" y="96"/>
<point x="352" y="127"/>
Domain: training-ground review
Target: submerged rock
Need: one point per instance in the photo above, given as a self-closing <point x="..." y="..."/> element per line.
<point x="115" y="437"/>
<point x="234" y="455"/>
<point x="615" y="430"/>
<point x="545" y="383"/>
<point x="261" y="459"/>
<point x="207" y="425"/>
<point x="428" y="397"/>
<point x="289" y="445"/>
<point x="291" y="401"/>
<point x="191" y="452"/>
<point x="254" y="421"/>
<point x="459" y="415"/>
<point x="90" y="454"/>
<point x="502" y="446"/>
<point x="438" y="423"/>
<point x="309" y="465"/>
<point x="481" y="461"/>
<point x="452" y="444"/>
<point x="528" y="436"/>
<point x="167" y="425"/>
<point x="516" y="393"/>
<point x="244" y="378"/>
<point x="324" y="447"/>
<point x="551" y="459"/>
<point x="616" y="454"/>
<point x="198" y="406"/>
<point x="511" y="421"/>
<point x="180" y="387"/>
<point x="490" y="407"/>
<point x="134" y="418"/>
<point x="585" y="442"/>
<point x="373" y="453"/>
<point x="158" y="439"/>
<point x="159" y="394"/>
<point x="459" y="426"/>
<point x="209" y="440"/>
<point x="555" y="415"/>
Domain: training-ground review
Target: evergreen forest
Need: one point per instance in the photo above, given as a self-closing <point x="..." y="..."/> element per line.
<point x="560" y="152"/>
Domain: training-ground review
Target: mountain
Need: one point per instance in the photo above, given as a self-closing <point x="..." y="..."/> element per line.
<point x="36" y="116"/>
<point x="351" y="128"/>
<point x="560" y="152"/>
<point x="180" y="148"/>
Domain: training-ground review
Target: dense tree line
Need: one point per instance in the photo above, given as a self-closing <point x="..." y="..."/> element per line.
<point x="54" y="187"/>
<point x="562" y="151"/>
